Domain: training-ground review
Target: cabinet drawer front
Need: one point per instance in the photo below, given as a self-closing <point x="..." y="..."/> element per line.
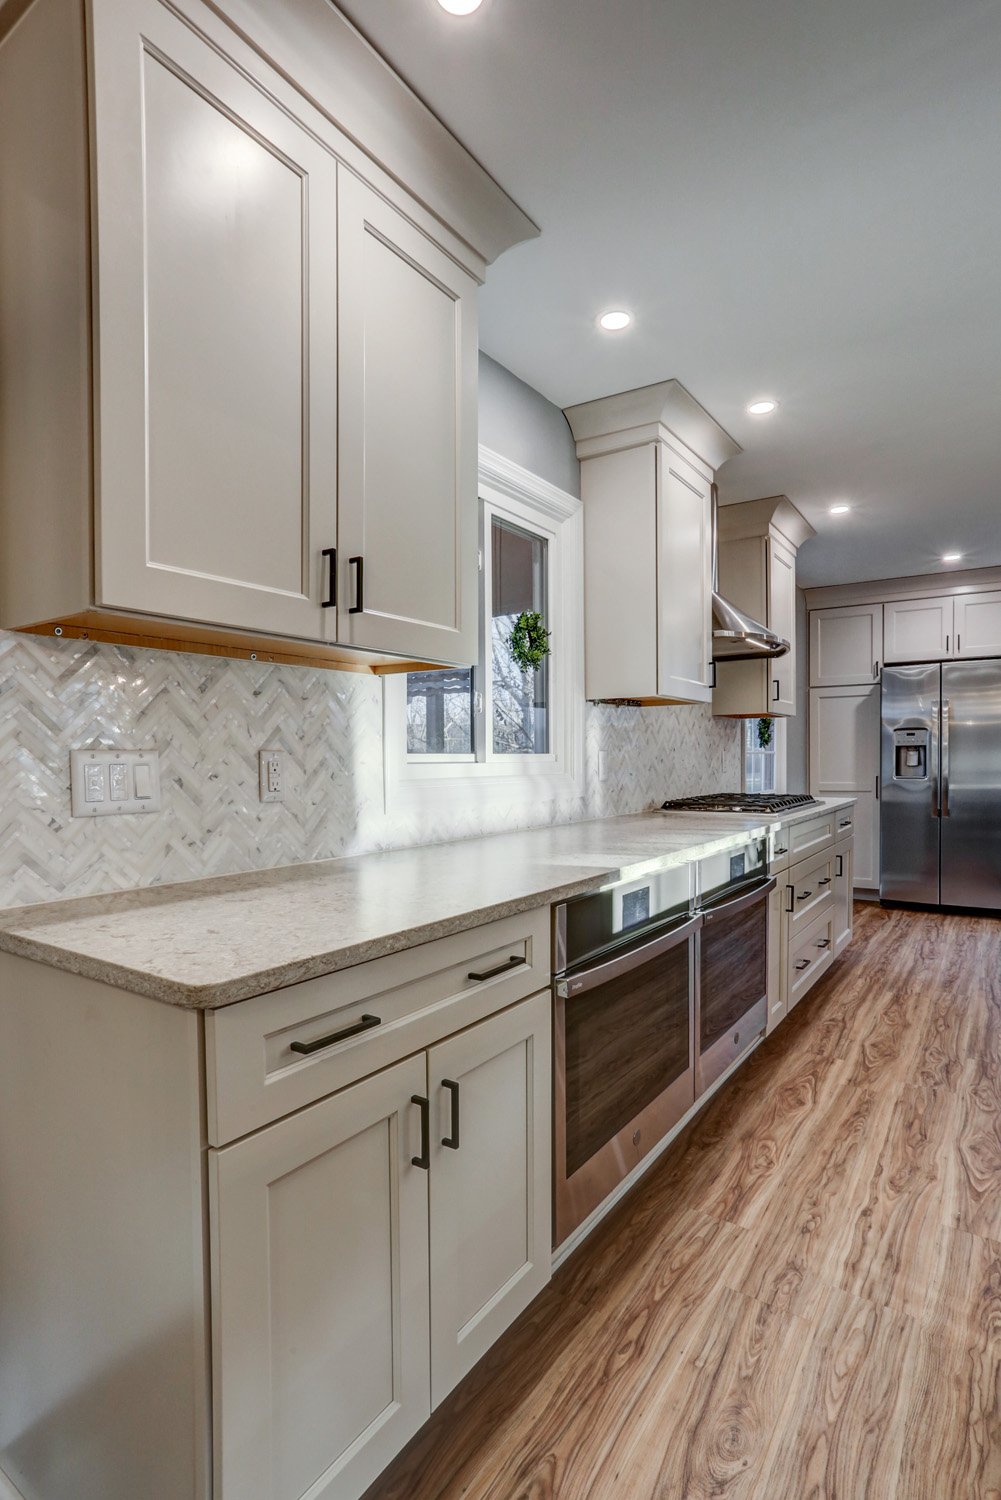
<point x="808" y="890"/>
<point x="811" y="954"/>
<point x="364" y="1018"/>
<point x="811" y="835"/>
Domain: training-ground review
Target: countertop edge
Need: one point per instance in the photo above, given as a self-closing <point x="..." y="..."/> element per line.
<point x="214" y="996"/>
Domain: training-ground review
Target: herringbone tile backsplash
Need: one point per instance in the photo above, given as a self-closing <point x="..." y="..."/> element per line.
<point x="209" y="717"/>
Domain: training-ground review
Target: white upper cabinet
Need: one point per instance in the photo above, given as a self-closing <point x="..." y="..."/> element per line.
<point x="684" y="563"/>
<point x="758" y="544"/>
<point x="647" y="464"/>
<point x="216" y="377"/>
<point x="408" y="432"/>
<point x="264" y="287"/>
<point x="918" y="629"/>
<point x="846" y="645"/>
<point x="978" y="625"/>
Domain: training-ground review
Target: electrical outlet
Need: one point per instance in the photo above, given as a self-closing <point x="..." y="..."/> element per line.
<point x="106" y="782"/>
<point x="272" y="775"/>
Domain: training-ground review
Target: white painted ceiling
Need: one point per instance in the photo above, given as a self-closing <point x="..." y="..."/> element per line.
<point x="794" y="199"/>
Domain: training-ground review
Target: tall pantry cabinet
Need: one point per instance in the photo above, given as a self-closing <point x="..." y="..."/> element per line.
<point x="258" y="348"/>
<point x="846" y="651"/>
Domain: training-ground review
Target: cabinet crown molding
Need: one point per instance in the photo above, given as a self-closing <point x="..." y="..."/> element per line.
<point x="316" y="47"/>
<point x="631" y="419"/>
<point x="750" y="518"/>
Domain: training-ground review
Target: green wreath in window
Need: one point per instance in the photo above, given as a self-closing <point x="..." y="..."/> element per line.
<point x="764" y="733"/>
<point x="529" y="643"/>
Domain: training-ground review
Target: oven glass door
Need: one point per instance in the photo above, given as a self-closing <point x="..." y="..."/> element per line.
<point x="625" y="1071"/>
<point x="733" y="979"/>
<point x="626" y="1042"/>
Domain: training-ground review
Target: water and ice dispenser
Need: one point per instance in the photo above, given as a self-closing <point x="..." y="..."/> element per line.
<point x="910" y="754"/>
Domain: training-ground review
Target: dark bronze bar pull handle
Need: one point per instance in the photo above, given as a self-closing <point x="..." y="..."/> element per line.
<point x="824" y="943"/>
<point x="775" y="693"/>
<point x="330" y="602"/>
<point x="839" y="872"/>
<point x="424" y="1105"/>
<point x="365" y="1024"/>
<point x="452" y="1140"/>
<point x="511" y="963"/>
<point x="804" y="963"/>
<point x="846" y="824"/>
<point x="803" y="895"/>
<point x="826" y="880"/>
<point x="781" y="851"/>
<point x="358" y="607"/>
<point x="792" y="897"/>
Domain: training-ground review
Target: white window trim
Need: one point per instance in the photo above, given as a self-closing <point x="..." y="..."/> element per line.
<point x="781" y="751"/>
<point x="512" y="492"/>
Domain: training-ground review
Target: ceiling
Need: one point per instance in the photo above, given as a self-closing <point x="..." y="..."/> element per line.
<point x="794" y="200"/>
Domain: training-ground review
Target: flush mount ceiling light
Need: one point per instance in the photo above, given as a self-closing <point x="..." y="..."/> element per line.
<point x="952" y="556"/>
<point x="840" y="510"/>
<point x="763" y="407"/>
<point x="460" y="7"/>
<point x="615" y="320"/>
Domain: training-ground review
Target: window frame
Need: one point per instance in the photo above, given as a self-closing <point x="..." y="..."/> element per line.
<point x="779" y="753"/>
<point x="511" y="493"/>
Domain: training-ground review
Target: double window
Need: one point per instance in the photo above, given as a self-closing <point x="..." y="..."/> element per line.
<point x="517" y="715"/>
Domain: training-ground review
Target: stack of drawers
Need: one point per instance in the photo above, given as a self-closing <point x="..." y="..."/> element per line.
<point x="811" y="908"/>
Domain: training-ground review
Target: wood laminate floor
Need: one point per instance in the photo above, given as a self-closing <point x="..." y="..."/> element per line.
<point x="802" y="1301"/>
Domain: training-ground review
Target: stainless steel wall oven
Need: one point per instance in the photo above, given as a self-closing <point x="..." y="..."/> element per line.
<point x="660" y="985"/>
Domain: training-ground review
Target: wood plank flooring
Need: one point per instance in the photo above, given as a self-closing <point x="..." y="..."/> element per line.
<point x="802" y="1301"/>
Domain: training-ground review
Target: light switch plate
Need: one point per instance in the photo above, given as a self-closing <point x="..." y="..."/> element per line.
<point x="107" y="783"/>
<point x="272" y="774"/>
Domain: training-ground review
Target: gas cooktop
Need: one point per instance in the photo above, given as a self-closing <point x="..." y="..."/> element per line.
<point x="739" y="802"/>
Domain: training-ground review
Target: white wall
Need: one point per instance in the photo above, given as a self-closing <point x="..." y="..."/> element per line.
<point x="209" y="717"/>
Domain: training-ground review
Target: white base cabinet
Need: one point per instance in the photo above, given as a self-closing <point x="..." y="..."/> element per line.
<point x="491" y="1210"/>
<point x="844" y="887"/>
<point x="375" y="1211"/>
<point x="810" y="910"/>
<point x="319" y="1244"/>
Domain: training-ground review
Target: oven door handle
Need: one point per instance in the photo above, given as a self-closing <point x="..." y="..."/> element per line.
<point x="739" y="903"/>
<point x="590" y="979"/>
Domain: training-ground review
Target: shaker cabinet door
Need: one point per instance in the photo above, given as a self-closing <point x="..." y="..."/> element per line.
<point x="918" y="629"/>
<point x="782" y="619"/>
<point x="215" y="323"/>
<point x="319" y="1244"/>
<point x="978" y="625"/>
<point x="407" y="524"/>
<point x="684" y="563"/>
<point x="491" y="1224"/>
<point x="846" y="645"/>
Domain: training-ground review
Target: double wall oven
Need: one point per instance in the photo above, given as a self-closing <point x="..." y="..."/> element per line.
<point x="660" y="984"/>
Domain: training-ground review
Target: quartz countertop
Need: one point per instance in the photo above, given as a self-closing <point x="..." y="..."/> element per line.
<point x="207" y="943"/>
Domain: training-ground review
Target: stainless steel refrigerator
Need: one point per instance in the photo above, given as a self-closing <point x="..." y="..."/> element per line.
<point x="940" y="807"/>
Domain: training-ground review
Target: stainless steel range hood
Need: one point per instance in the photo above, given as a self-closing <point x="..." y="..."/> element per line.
<point x="736" y="636"/>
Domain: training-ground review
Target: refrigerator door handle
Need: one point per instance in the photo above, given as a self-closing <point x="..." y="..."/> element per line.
<point x="945" y="757"/>
<point x="936" y="715"/>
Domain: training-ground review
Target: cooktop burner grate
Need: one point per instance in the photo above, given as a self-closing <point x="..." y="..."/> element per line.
<point x="737" y="802"/>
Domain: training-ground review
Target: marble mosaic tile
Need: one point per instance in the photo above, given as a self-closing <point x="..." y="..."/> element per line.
<point x="209" y="717"/>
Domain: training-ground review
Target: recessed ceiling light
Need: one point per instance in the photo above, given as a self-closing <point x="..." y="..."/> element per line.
<point x="840" y="510"/>
<point x="460" y="7"/>
<point x="615" y="320"/>
<point x="952" y="556"/>
<point x="763" y="407"/>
